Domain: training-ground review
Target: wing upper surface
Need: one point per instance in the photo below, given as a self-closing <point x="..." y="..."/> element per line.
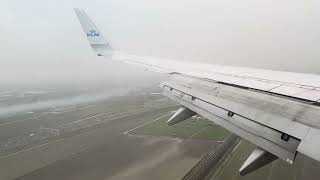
<point x="298" y="85"/>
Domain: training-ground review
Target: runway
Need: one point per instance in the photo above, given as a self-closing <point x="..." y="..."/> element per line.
<point x="89" y="141"/>
<point x="106" y="153"/>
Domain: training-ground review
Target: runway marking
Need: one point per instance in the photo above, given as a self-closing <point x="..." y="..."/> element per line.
<point x="31" y="148"/>
<point x="44" y="144"/>
<point x="198" y="132"/>
<point x="225" y="161"/>
<point x="37" y="116"/>
<point x="62" y="139"/>
<point x="83" y="119"/>
<point x="147" y="123"/>
<point x="26" y="119"/>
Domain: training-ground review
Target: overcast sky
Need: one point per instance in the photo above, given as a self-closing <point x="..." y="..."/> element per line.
<point x="42" y="40"/>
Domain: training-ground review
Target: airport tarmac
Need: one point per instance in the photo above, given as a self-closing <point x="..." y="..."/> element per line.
<point x="88" y="141"/>
<point x="96" y="140"/>
<point x="104" y="152"/>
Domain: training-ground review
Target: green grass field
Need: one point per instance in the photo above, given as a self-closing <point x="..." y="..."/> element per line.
<point x="195" y="127"/>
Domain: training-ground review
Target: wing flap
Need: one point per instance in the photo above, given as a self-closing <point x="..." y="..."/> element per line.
<point x="258" y="134"/>
<point x="272" y="111"/>
<point x="260" y="118"/>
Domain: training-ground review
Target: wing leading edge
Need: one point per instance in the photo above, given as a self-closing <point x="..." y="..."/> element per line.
<point x="277" y="111"/>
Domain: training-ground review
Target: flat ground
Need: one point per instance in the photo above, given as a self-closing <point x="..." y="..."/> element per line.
<point x="120" y="137"/>
<point x="304" y="168"/>
<point x="91" y="141"/>
<point x="195" y="127"/>
<point x="106" y="153"/>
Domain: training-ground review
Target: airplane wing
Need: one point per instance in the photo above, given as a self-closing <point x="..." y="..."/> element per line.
<point x="275" y="110"/>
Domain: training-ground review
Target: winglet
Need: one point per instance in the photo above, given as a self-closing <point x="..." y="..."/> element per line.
<point x="94" y="36"/>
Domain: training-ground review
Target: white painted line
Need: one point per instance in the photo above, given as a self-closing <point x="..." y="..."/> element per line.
<point x="198" y="132"/>
<point x="41" y="145"/>
<point x="31" y="148"/>
<point x="83" y="119"/>
<point x="147" y="123"/>
<point x="17" y="121"/>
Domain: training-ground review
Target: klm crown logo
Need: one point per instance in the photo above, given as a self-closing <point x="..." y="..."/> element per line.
<point x="92" y="33"/>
